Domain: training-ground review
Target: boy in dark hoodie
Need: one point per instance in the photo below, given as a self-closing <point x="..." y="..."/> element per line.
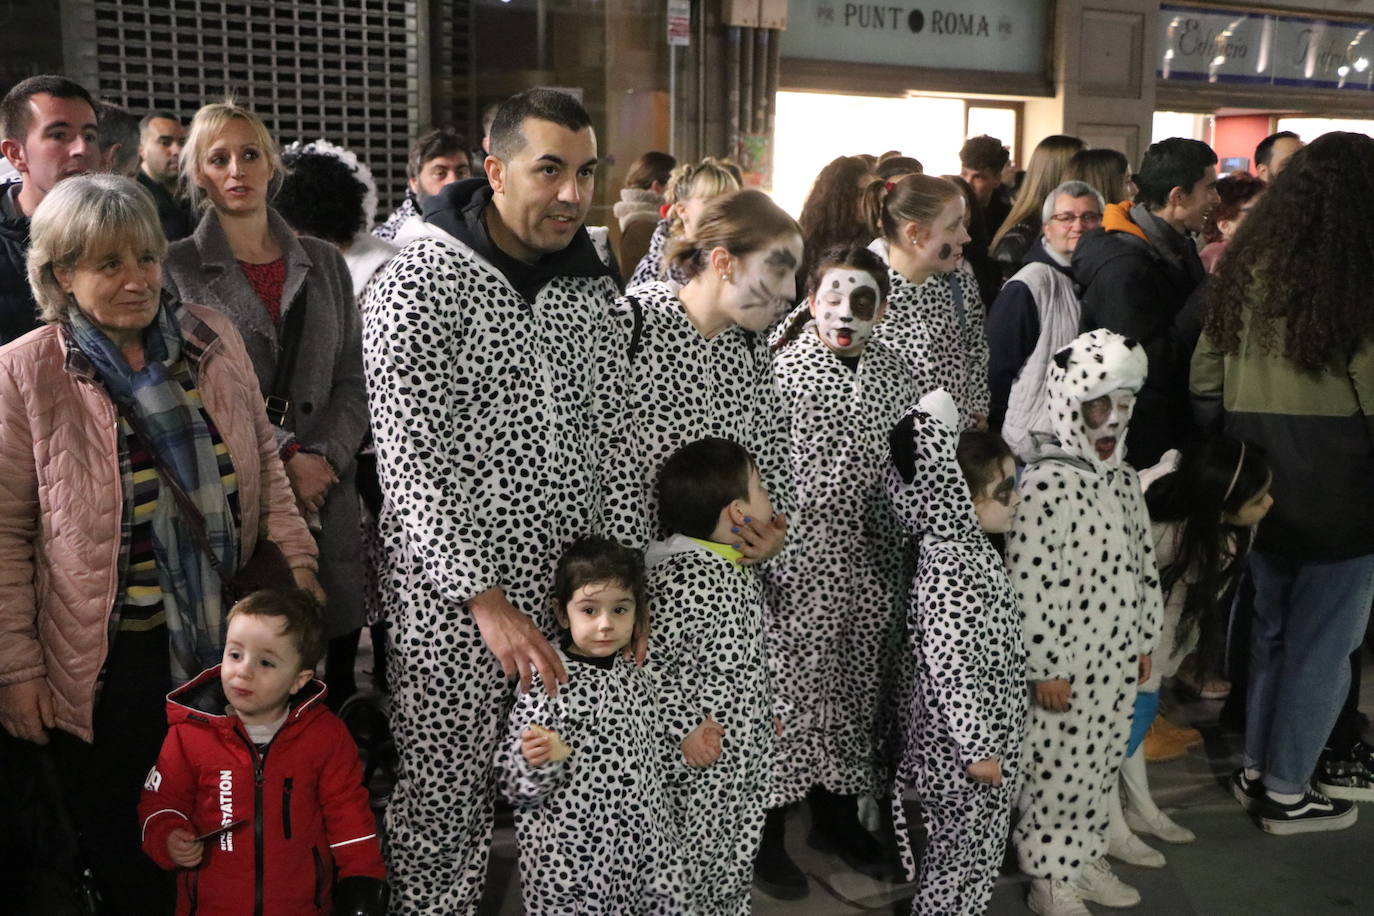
<point x="1137" y="273"/>
<point x="257" y="795"/>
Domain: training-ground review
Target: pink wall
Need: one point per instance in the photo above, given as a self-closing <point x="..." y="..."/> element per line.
<point x="1237" y="135"/>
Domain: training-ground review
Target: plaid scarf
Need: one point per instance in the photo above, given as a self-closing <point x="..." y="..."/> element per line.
<point x="156" y="396"/>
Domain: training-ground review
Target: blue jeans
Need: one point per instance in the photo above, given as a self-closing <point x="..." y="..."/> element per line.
<point x="1308" y="618"/>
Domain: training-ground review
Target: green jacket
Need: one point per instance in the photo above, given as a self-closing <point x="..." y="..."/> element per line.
<point x="1318" y="431"/>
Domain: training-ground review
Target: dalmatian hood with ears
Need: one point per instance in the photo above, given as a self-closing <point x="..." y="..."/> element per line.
<point x="1092" y="365"/>
<point x="924" y="482"/>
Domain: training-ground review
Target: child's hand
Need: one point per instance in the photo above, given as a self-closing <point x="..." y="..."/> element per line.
<point x="1146" y="664"/>
<point x="777" y="726"/>
<point x="1053" y="695"/>
<point x="184" y="849"/>
<point x="760" y="539"/>
<point x="539" y="746"/>
<point x="986" y="771"/>
<point x="702" y="747"/>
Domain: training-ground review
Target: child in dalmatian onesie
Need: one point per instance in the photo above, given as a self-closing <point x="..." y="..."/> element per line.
<point x="969" y="713"/>
<point x="706" y="658"/>
<point x="699" y="365"/>
<point x="1081" y="561"/>
<point x="586" y="770"/>
<point x="839" y="587"/>
<point x="496" y="396"/>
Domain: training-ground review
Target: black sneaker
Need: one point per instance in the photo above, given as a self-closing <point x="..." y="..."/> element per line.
<point x="1312" y="813"/>
<point x="1247" y="791"/>
<point x="1349" y="778"/>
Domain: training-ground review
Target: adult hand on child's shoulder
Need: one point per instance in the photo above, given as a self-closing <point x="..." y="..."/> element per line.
<point x="184" y="849"/>
<point x="760" y="540"/>
<point x="987" y="771"/>
<point x="516" y="642"/>
<point x="1053" y="695"/>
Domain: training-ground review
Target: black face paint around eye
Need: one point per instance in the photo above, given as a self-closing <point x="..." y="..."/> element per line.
<point x="781" y="258"/>
<point x="945" y="251"/>
<point x="864" y="302"/>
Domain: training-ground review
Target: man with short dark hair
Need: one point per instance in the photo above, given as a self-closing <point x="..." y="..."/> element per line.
<point x="1137" y="273"/>
<point x="48" y="132"/>
<point x="436" y="160"/>
<point x="497" y="409"/>
<point x="161" y="136"/>
<point x="118" y="139"/>
<point x="981" y="161"/>
<point x="1272" y="153"/>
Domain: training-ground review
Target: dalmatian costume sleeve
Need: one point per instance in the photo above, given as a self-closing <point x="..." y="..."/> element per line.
<point x="584" y="849"/>
<point x="707" y="653"/>
<point x="492" y="417"/>
<point x="942" y="344"/>
<point x="682" y="387"/>
<point x="1082" y="566"/>
<point x="970" y="683"/>
<point x="836" y="592"/>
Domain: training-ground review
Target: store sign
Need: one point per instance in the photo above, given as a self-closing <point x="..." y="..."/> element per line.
<point x="680" y="23"/>
<point x="1260" y="49"/>
<point x="1005" y="36"/>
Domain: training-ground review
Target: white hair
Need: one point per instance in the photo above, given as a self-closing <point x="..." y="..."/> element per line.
<point x="1072" y="189"/>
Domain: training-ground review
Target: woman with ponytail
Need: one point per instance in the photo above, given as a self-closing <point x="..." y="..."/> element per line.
<point x="698" y="367"/>
<point x="690" y="187"/>
<point x="935" y="314"/>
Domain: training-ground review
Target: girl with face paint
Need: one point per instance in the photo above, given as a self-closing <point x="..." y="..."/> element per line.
<point x="698" y="367"/>
<point x="935" y="317"/>
<point x="964" y="657"/>
<point x="838" y="589"/>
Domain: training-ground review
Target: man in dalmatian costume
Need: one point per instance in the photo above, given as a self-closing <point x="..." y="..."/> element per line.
<point x="1081" y="561"/>
<point x="495" y="394"/>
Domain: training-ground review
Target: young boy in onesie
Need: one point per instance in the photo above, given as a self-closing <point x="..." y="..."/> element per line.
<point x="257" y="798"/>
<point x="706" y="657"/>
<point x="968" y="718"/>
<point x="1081" y="560"/>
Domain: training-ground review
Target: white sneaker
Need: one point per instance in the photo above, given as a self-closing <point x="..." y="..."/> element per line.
<point x="1159" y="825"/>
<point x="1132" y="850"/>
<point x="1055" y="898"/>
<point x="1096" y="882"/>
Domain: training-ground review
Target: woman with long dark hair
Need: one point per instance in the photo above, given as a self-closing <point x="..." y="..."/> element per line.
<point x="1287" y="359"/>
<point x="833" y="213"/>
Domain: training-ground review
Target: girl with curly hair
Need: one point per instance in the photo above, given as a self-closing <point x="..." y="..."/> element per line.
<point x="833" y="213"/>
<point x="1286" y="361"/>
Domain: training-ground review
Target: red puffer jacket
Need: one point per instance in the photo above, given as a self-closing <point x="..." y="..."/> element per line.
<point x="303" y="801"/>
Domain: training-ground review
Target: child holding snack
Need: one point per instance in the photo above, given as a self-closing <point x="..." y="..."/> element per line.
<point x="257" y="796"/>
<point x="585" y="769"/>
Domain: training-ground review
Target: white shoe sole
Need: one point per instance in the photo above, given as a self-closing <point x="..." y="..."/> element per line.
<point x="1173" y="833"/>
<point x="1149" y="858"/>
<point x="1309" y="824"/>
<point x="1346" y="792"/>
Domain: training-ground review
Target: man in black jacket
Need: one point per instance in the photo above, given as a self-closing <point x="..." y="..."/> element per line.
<point x="1137" y="273"/>
<point x="48" y="132"/>
<point x="161" y="136"/>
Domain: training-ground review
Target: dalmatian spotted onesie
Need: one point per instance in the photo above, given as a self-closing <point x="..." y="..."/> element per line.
<point x="683" y="387"/>
<point x="838" y="587"/>
<point x="592" y="835"/>
<point x="498" y="421"/>
<point x="970" y="671"/>
<point x="706" y="657"/>
<point x="1082" y="564"/>
<point x="942" y="345"/>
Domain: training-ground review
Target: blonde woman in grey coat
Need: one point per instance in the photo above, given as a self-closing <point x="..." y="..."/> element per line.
<point x="245" y="261"/>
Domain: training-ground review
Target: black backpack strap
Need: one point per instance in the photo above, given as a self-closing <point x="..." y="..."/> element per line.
<point x="277" y="401"/>
<point x="637" y="331"/>
<point x="956" y="290"/>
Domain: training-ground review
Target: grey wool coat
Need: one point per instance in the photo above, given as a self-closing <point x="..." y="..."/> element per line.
<point x="328" y="398"/>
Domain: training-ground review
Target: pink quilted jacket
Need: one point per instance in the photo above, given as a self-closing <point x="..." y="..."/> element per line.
<point x="61" y="500"/>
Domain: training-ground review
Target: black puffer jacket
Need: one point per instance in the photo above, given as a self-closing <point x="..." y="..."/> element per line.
<point x="18" y="311"/>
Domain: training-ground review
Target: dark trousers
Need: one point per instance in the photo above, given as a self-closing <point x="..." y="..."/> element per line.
<point x="101" y="782"/>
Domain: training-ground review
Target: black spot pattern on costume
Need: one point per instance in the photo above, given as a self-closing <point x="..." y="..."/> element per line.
<point x="834" y="613"/>
<point x="500" y="429"/>
<point x="923" y="328"/>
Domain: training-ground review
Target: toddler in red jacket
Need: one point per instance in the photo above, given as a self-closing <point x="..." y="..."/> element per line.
<point x="257" y="796"/>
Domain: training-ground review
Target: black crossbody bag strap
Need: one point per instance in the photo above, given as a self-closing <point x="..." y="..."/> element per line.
<point x="277" y="401"/>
